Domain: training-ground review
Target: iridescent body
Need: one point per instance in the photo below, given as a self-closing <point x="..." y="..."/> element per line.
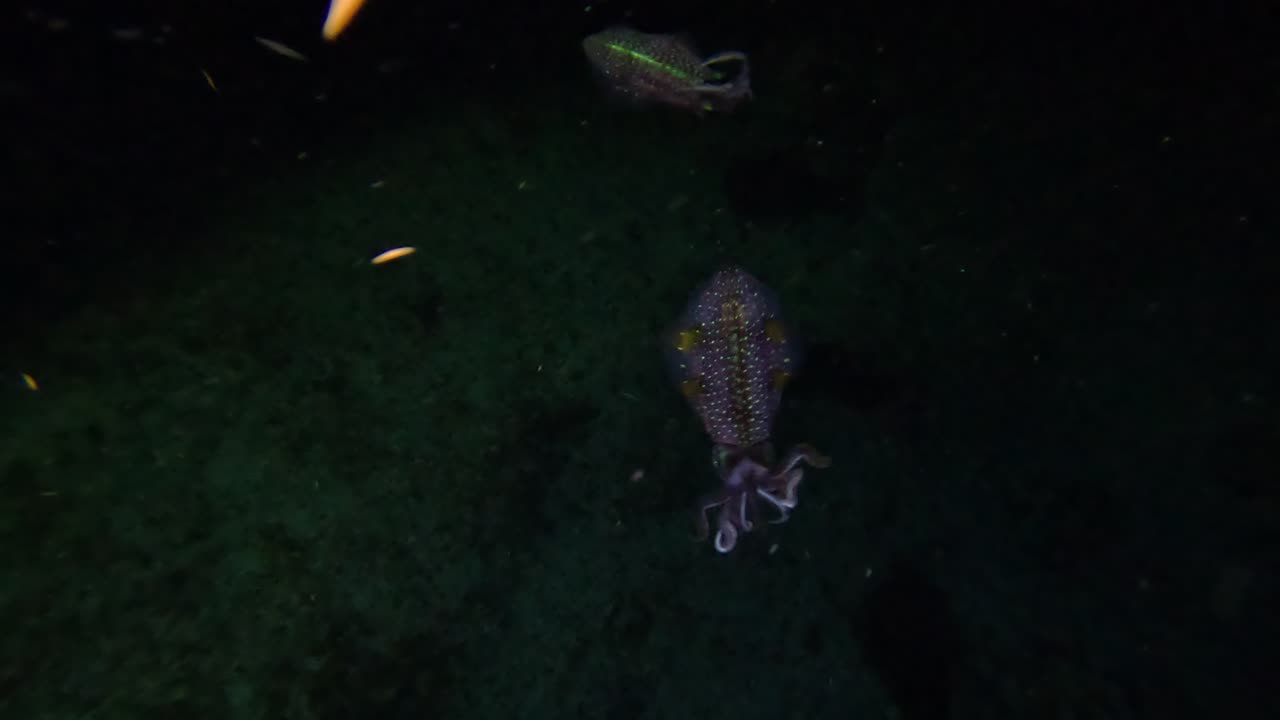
<point x="647" y="67"/>
<point x="732" y="356"/>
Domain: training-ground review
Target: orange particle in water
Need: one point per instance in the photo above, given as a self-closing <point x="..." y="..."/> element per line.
<point x="393" y="254"/>
<point x="30" y="382"/>
<point x="341" y="13"/>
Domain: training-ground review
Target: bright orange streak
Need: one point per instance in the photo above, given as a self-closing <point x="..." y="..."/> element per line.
<point x="30" y="381"/>
<point x="341" y="13"/>
<point x="393" y="254"/>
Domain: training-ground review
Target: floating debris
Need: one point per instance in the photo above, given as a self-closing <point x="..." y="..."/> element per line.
<point x="393" y="254"/>
<point x="128" y="34"/>
<point x="280" y="48"/>
<point x="341" y="13"/>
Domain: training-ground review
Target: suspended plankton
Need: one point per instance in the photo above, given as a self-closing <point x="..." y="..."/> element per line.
<point x="393" y="254"/>
<point x="341" y="13"/>
<point x="280" y="48"/>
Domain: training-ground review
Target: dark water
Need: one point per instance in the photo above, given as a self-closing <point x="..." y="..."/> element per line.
<point x="1030" y="254"/>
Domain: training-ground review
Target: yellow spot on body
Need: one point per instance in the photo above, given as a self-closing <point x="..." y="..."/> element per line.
<point x="691" y="388"/>
<point x="780" y="379"/>
<point x="775" y="331"/>
<point x="686" y="340"/>
<point x="393" y="254"/>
